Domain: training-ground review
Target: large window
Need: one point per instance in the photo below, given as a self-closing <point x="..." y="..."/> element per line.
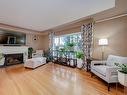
<point x="60" y="41"/>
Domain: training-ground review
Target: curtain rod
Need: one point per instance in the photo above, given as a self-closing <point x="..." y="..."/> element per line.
<point x="114" y="17"/>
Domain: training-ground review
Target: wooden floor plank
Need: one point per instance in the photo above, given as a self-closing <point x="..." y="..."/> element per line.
<point x="51" y="79"/>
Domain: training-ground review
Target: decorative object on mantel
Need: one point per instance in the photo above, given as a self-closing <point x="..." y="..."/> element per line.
<point x="87" y="42"/>
<point x="2" y="59"/>
<point x="122" y="73"/>
<point x="30" y="51"/>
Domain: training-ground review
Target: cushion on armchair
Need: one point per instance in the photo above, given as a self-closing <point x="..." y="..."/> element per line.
<point x="101" y="69"/>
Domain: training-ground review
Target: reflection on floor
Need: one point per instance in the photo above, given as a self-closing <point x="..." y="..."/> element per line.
<point x="52" y="79"/>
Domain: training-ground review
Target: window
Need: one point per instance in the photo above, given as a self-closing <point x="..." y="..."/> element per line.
<point x="60" y="41"/>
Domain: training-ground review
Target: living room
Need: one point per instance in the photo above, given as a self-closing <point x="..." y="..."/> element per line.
<point x="62" y="50"/>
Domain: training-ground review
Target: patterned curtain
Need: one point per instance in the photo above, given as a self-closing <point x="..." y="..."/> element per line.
<point x="51" y="40"/>
<point x="87" y="43"/>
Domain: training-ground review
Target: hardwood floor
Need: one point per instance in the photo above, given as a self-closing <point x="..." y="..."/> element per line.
<point x="51" y="79"/>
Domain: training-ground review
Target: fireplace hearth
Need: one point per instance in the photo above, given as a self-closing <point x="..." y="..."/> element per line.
<point x="13" y="59"/>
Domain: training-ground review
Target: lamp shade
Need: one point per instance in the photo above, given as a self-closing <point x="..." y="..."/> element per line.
<point x="103" y="41"/>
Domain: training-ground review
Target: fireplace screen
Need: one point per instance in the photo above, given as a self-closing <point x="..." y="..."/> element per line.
<point x="12" y="59"/>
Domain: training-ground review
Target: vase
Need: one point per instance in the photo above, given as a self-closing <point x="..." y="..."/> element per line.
<point x="122" y="78"/>
<point x="71" y="63"/>
<point x="79" y="63"/>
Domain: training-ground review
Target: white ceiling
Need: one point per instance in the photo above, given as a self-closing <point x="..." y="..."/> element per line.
<point x="45" y="14"/>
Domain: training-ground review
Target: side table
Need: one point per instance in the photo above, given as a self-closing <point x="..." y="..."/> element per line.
<point x="88" y="65"/>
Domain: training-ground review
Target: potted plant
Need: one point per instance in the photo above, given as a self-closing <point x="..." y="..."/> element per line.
<point x="122" y="73"/>
<point x="48" y="55"/>
<point x="70" y="46"/>
<point x="79" y="56"/>
<point x="2" y="59"/>
<point x="62" y="52"/>
<point x="30" y="51"/>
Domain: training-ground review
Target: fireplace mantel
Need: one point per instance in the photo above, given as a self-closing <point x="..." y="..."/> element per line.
<point x="15" y="50"/>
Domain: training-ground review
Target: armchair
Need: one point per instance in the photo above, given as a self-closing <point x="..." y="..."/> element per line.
<point x="107" y="70"/>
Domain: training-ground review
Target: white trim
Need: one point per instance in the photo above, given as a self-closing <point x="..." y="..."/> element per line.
<point x="114" y="17"/>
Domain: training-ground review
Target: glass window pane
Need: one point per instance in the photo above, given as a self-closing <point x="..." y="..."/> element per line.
<point x="56" y="42"/>
<point x="60" y="41"/>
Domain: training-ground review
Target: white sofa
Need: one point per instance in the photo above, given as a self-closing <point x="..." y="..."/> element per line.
<point x="107" y="70"/>
<point x="35" y="62"/>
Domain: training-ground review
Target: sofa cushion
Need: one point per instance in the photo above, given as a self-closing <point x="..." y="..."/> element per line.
<point x="116" y="59"/>
<point x="101" y="69"/>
